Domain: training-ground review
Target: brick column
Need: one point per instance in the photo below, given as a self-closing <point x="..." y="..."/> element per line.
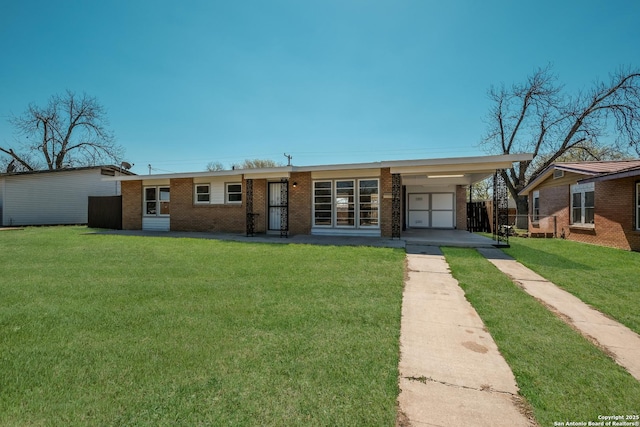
<point x="131" y="205"/>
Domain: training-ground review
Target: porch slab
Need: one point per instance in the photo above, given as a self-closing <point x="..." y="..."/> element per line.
<point x="456" y="238"/>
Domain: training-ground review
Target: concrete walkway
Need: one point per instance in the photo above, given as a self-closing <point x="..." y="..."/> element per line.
<point x="451" y="372"/>
<point x="620" y="342"/>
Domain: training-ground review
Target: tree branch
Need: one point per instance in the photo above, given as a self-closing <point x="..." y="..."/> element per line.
<point x="19" y="159"/>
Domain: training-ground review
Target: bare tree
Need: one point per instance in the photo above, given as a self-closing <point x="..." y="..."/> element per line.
<point x="70" y="131"/>
<point x="257" y="164"/>
<point x="538" y="117"/>
<point x="480" y="191"/>
<point x="214" y="166"/>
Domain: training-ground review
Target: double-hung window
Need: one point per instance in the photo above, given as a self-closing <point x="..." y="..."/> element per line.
<point x="156" y="201"/>
<point x="217" y="193"/>
<point x="583" y="203"/>
<point x="536" y="207"/>
<point x="234" y="193"/>
<point x="203" y="193"/>
<point x="346" y="203"/>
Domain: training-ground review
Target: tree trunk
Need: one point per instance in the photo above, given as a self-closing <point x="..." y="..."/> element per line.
<point x="522" y="210"/>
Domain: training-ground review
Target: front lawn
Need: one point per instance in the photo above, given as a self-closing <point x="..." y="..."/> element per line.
<point x="607" y="279"/>
<point x="562" y="375"/>
<point x="113" y="330"/>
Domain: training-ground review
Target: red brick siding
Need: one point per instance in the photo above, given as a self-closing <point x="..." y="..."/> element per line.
<point x="554" y="211"/>
<point x="131" y="205"/>
<point x="260" y="202"/>
<point x="187" y="216"/>
<point x="614" y="214"/>
<point x="300" y="203"/>
<point x="461" y="207"/>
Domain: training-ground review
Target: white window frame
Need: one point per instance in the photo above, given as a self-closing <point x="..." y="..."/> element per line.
<point x="207" y="194"/>
<point x="313" y="203"/>
<point x="535" y="210"/>
<point x="335" y="203"/>
<point x="357" y="201"/>
<point x="582" y="189"/>
<point x="158" y="200"/>
<point x="227" y="193"/>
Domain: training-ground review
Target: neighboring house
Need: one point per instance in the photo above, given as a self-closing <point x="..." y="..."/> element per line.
<point x="591" y="202"/>
<point x="54" y="197"/>
<point x="369" y="199"/>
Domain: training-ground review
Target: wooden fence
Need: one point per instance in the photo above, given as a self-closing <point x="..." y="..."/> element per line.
<point x="478" y="217"/>
<point x="105" y="212"/>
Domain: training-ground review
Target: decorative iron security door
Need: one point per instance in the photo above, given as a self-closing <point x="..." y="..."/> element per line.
<point x="279" y="207"/>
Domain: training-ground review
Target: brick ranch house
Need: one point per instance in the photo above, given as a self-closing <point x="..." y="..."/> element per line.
<point x="366" y="199"/>
<point x="590" y="202"/>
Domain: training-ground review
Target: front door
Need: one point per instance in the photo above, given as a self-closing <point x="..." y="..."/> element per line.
<point x="278" y="207"/>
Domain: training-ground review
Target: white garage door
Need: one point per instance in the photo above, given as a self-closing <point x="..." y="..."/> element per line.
<point x="419" y="210"/>
<point x="431" y="210"/>
<point x="442" y="210"/>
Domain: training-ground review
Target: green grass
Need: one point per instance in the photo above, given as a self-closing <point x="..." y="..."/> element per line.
<point x="561" y="374"/>
<point x="113" y="330"/>
<point x="605" y="278"/>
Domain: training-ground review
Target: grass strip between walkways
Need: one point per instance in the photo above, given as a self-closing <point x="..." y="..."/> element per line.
<point x="605" y="278"/>
<point x="115" y="330"/>
<point x="562" y="375"/>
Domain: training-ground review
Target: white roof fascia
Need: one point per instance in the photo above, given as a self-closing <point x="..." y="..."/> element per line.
<point x="398" y="166"/>
<point x="494" y="162"/>
<point x="487" y="162"/>
<point x="248" y="173"/>
<point x="267" y="175"/>
<point x="462" y="165"/>
<point x="337" y="167"/>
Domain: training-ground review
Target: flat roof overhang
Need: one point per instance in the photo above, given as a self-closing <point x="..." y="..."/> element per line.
<point x="446" y="171"/>
<point x="456" y="171"/>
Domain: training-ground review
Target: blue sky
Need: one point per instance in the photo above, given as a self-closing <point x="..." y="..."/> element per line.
<point x="331" y="81"/>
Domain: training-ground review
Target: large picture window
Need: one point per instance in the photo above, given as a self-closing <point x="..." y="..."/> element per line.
<point x="156" y="201"/>
<point x="583" y="204"/>
<point x="346" y="203"/>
